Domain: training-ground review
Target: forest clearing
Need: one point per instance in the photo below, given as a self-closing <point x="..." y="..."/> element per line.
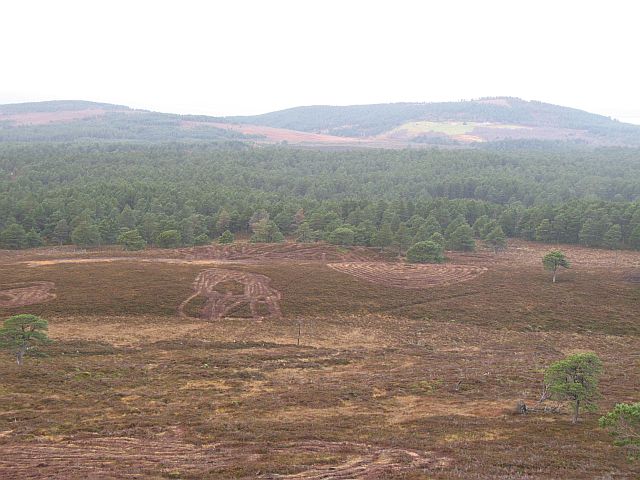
<point x="345" y="241"/>
<point x="327" y="375"/>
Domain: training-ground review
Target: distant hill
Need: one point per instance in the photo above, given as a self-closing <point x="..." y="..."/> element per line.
<point x="75" y="120"/>
<point x="53" y="106"/>
<point x="396" y="125"/>
<point x="498" y="118"/>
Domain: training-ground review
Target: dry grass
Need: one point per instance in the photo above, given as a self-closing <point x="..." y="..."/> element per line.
<point x="386" y="382"/>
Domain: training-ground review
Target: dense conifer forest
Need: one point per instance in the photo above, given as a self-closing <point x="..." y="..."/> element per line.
<point x="94" y="193"/>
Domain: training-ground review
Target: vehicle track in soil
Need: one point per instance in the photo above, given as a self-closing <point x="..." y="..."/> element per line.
<point x="27" y="293"/>
<point x="119" y="457"/>
<point x="256" y="292"/>
<point x="278" y="251"/>
<point x="365" y="462"/>
<point x="431" y="302"/>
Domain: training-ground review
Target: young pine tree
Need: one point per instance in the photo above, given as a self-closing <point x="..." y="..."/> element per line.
<point x="462" y="239"/>
<point x="575" y="380"/>
<point x="553" y="261"/>
<point x="496" y="239"/>
<point x="226" y="237"/>
<point x="22" y="332"/>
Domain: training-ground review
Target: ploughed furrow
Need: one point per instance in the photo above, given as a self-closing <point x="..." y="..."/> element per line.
<point x="20" y="294"/>
<point x="409" y="276"/>
<point x="221" y="301"/>
<point x="278" y="251"/>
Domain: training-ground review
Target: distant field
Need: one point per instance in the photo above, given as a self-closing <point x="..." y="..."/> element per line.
<point x="450" y="128"/>
<point x="386" y="382"/>
<point x="462" y="131"/>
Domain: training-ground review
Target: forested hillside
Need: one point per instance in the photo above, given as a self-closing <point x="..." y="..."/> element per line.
<point x="92" y="193"/>
<point x="70" y="120"/>
<point x="364" y="120"/>
<point x="397" y="125"/>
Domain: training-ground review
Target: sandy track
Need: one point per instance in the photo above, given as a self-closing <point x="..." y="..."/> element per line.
<point x="256" y="292"/>
<point x="220" y="254"/>
<point x="58" y="261"/>
<point x="409" y="276"/>
<point x="123" y="457"/>
<point x="21" y="294"/>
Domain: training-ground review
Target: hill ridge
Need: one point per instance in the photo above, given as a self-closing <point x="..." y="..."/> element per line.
<point x="57" y="105"/>
<point x="383" y="125"/>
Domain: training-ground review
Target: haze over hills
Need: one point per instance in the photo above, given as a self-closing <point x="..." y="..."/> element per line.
<point x="395" y="125"/>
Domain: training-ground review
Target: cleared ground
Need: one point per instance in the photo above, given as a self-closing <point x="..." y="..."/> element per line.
<point x="386" y="382"/>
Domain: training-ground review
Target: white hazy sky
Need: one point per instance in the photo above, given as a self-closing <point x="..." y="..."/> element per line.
<point x="246" y="57"/>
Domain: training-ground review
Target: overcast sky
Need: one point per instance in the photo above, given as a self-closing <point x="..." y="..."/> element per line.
<point x="245" y="57"/>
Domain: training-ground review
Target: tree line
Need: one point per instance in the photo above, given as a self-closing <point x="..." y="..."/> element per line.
<point x="189" y="194"/>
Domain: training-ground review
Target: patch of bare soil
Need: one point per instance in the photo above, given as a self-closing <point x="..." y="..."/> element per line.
<point x="13" y="256"/>
<point x="256" y="293"/>
<point x="21" y="294"/>
<point x="409" y="276"/>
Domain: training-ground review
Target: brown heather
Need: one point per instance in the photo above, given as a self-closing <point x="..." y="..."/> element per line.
<point x="387" y="382"/>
